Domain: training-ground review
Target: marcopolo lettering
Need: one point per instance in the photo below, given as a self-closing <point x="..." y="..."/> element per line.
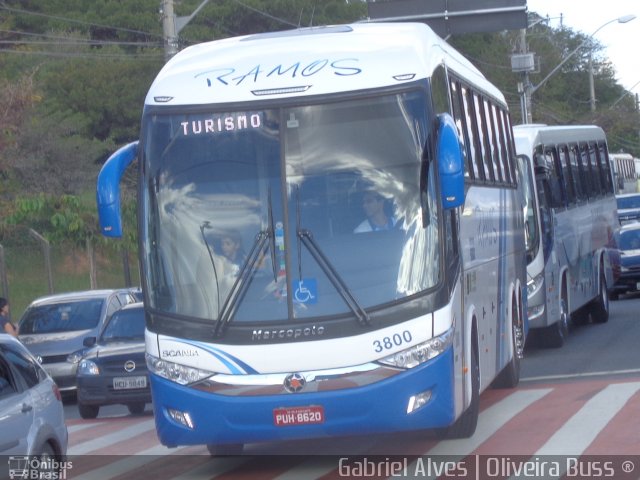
<point x="287" y="333"/>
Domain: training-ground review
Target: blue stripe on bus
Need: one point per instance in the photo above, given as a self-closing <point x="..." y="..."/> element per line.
<point x="235" y="365"/>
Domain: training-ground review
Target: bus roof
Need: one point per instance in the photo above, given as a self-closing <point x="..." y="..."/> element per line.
<point x="527" y="137"/>
<point x="309" y="61"/>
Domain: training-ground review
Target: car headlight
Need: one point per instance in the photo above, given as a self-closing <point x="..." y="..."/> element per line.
<point x="88" y="367"/>
<point x="418" y="354"/>
<point x="75" y="357"/>
<point x="175" y="372"/>
<point x="623" y="268"/>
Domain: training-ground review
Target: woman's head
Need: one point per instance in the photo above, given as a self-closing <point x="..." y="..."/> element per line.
<point x="231" y="244"/>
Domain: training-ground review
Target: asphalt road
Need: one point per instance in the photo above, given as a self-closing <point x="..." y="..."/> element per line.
<point x="592" y="350"/>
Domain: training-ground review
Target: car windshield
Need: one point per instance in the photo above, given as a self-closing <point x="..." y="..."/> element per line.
<point x="124" y="325"/>
<point x="62" y="316"/>
<point x="298" y="213"/>
<point x="629" y="240"/>
<point x="628" y="202"/>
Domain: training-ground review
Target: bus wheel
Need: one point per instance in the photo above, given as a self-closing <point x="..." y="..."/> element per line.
<point x="466" y="424"/>
<point x="555" y="335"/>
<point x="601" y="308"/>
<point x="509" y="377"/>
<point x="225" y="449"/>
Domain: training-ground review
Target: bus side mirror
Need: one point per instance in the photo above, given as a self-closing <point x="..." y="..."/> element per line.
<point x="108" y="189"/>
<point x="450" y="162"/>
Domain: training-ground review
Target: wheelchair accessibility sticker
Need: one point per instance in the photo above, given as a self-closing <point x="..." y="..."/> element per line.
<point x="305" y="291"/>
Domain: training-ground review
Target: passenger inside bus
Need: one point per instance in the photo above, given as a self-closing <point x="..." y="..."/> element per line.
<point x="231" y="247"/>
<point x="376" y="210"/>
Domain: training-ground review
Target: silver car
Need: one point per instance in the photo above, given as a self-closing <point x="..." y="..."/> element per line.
<point x="31" y="412"/>
<point x="55" y="326"/>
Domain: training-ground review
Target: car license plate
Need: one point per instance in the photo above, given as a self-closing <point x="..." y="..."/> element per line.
<point x="284" y="417"/>
<point x="124" y="383"/>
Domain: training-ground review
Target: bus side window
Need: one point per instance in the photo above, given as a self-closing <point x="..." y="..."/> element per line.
<point x="461" y="123"/>
<point x="485" y="148"/>
<point x="596" y="178"/>
<point x="474" y="141"/>
<point x="605" y="171"/>
<point x="555" y="182"/>
<point x="569" y="181"/>
<point x="583" y="174"/>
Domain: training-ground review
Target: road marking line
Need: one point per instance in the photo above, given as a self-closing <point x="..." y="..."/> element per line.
<point x="491" y="420"/>
<point x="581" y="429"/>
<point x="111" y="438"/>
<point x="579" y="375"/>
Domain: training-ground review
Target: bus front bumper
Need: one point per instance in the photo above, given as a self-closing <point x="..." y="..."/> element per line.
<point x="188" y="416"/>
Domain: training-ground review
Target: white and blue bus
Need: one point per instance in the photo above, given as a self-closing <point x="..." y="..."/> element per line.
<point x="331" y="237"/>
<point x="571" y="220"/>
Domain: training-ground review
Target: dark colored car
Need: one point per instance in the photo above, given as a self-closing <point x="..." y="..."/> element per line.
<point x="628" y="207"/>
<point x="55" y="326"/>
<point x="628" y="239"/>
<point x="112" y="369"/>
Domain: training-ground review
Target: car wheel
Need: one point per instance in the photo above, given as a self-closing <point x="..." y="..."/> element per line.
<point x="136" y="408"/>
<point x="88" y="411"/>
<point x="227" y="449"/>
<point x="48" y="464"/>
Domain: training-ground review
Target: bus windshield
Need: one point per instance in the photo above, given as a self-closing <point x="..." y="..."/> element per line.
<point x="324" y="210"/>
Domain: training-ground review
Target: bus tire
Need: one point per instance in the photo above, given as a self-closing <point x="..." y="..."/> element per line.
<point x="225" y="449"/>
<point x="555" y="335"/>
<point x="509" y="377"/>
<point x="600" y="311"/>
<point x="465" y="425"/>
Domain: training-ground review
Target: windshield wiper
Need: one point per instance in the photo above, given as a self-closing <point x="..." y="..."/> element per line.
<point x="241" y="284"/>
<point x="203" y="225"/>
<point x="306" y="238"/>
<point x="272" y="235"/>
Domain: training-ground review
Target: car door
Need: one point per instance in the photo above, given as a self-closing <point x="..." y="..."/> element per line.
<point x="16" y="410"/>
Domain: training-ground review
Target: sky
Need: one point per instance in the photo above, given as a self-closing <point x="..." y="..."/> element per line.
<point x="621" y="41"/>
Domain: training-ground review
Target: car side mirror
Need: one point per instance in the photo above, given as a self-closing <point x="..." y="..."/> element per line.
<point x="89" y="342"/>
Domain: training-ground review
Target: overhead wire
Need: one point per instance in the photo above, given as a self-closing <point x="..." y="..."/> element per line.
<point x="3" y="6"/>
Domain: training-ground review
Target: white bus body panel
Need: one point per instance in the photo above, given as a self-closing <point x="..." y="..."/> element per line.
<point x="331" y="60"/>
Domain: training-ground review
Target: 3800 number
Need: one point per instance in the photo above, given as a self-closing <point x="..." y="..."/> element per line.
<point x="394" y="340"/>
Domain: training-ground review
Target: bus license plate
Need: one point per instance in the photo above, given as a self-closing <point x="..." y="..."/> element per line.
<point x="284" y="417"/>
<point x="124" y="383"/>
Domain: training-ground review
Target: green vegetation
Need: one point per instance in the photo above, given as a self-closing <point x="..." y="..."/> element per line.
<point x="74" y="75"/>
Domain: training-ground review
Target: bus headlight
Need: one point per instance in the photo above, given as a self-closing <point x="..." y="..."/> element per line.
<point x="418" y="354"/>
<point x="176" y="373"/>
<point x="534" y="284"/>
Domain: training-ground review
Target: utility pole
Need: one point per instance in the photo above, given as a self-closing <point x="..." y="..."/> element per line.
<point x="524" y="62"/>
<point x="169" y="29"/>
<point x="592" y="89"/>
<point x="172" y="25"/>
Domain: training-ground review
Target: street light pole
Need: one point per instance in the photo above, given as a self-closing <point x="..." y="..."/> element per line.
<point x="531" y="89"/>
